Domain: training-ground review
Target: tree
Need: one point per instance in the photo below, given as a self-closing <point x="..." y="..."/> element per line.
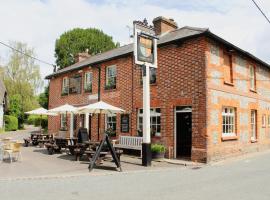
<point x="79" y="40"/>
<point x="22" y="80"/>
<point x="43" y="98"/>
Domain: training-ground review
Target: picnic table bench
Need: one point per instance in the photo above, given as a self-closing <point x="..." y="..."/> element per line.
<point x="128" y="142"/>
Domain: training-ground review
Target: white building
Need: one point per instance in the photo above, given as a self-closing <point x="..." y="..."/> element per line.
<point x="3" y="98"/>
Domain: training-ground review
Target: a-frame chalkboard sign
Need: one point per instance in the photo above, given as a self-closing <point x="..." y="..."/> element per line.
<point x="105" y="140"/>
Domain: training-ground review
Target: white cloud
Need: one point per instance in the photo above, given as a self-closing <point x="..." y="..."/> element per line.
<point x="39" y="23"/>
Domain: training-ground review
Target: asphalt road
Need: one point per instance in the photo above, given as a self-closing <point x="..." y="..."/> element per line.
<point x="247" y="178"/>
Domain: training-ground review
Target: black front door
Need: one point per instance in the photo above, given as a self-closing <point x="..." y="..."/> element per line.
<point x="183" y="134"/>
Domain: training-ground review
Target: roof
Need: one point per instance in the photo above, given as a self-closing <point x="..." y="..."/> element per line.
<point x="2" y="91"/>
<point x="173" y="36"/>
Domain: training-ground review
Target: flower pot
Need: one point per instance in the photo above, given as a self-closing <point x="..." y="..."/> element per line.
<point x="158" y="155"/>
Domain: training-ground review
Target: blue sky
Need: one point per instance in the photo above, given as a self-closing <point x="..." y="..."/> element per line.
<point x="40" y="22"/>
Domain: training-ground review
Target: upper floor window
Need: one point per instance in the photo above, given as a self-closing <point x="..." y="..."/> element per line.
<point x="65" y="86"/>
<point x="155" y="123"/>
<point x="152" y="75"/>
<point x="75" y="84"/>
<point x="252" y="77"/>
<point x="110" y="77"/>
<point x="214" y="54"/>
<point x="228" y="70"/>
<point x="88" y="79"/>
<point x="228" y="122"/>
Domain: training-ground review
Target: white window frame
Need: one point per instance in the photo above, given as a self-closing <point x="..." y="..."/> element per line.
<point x="252" y="77"/>
<point x="109" y="121"/>
<point x="228" y="121"/>
<point x="88" y="80"/>
<point x="110" y="76"/>
<point x="264" y="120"/>
<point x="65" y="85"/>
<point x="253" y="124"/>
<point x="153" y="114"/>
<point x="63" y="121"/>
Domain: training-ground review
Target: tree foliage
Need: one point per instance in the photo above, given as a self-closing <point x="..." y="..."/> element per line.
<point x="43" y="98"/>
<point x="79" y="40"/>
<point x="22" y="80"/>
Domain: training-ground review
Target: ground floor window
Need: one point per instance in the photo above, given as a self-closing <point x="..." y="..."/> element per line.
<point x="155" y="124"/>
<point x="253" y="123"/>
<point x="228" y="122"/>
<point x="110" y="124"/>
<point x="63" y="121"/>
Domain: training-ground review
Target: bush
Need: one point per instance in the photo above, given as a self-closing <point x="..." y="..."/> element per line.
<point x="11" y="123"/>
<point x="35" y="120"/>
<point x="158" y="148"/>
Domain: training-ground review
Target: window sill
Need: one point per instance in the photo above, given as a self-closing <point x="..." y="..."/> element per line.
<point x="226" y="138"/>
<point x="110" y="89"/>
<point x="251" y="90"/>
<point x="228" y="83"/>
<point x="87" y="92"/>
<point x="253" y="140"/>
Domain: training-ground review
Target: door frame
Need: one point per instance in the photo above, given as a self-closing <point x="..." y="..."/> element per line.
<point x="175" y="125"/>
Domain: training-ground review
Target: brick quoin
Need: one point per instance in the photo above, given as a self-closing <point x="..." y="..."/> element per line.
<point x="183" y="79"/>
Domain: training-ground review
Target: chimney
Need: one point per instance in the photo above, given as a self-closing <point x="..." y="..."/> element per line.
<point x="164" y="25"/>
<point x="82" y="56"/>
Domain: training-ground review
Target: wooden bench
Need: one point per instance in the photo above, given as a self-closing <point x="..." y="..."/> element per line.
<point x="128" y="142"/>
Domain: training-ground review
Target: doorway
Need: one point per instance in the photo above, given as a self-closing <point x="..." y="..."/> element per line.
<point x="183" y="139"/>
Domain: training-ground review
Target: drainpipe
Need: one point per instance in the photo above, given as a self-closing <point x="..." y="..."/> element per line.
<point x="99" y="77"/>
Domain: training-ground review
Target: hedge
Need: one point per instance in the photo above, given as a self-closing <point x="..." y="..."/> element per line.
<point x="11" y="123"/>
<point x="35" y="120"/>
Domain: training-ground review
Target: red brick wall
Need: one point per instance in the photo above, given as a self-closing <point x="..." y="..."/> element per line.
<point x="180" y="81"/>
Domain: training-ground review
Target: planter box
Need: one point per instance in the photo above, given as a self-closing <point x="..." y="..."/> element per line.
<point x="158" y="155"/>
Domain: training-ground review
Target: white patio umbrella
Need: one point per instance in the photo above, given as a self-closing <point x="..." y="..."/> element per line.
<point x="41" y="112"/>
<point x="65" y="109"/>
<point x="100" y="108"/>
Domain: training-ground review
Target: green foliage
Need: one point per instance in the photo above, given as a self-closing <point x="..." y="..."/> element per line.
<point x="43" y="98"/>
<point x="79" y="40"/>
<point x="35" y="120"/>
<point x="22" y="80"/>
<point x="15" y="107"/>
<point x="158" y="148"/>
<point x="11" y="123"/>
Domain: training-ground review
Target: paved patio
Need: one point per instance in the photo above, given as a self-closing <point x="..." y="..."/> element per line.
<point x="37" y="163"/>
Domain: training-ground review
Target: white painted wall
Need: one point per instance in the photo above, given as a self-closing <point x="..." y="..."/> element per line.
<point x="1" y="116"/>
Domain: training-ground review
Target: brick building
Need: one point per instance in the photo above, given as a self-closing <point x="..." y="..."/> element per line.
<point x="209" y="98"/>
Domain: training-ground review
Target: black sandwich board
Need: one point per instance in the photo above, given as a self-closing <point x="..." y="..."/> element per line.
<point x="97" y="154"/>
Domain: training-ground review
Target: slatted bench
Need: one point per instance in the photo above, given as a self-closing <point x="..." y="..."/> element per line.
<point x="129" y="142"/>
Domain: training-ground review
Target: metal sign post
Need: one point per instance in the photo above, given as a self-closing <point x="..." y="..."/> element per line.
<point x="145" y="55"/>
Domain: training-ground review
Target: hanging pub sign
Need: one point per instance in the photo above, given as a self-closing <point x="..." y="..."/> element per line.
<point x="125" y="123"/>
<point x="145" y="44"/>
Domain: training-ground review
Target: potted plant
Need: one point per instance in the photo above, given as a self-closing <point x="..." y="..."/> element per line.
<point x="158" y="151"/>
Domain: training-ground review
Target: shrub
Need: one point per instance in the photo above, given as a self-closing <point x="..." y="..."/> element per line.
<point x="158" y="148"/>
<point x="11" y="123"/>
<point x="35" y="120"/>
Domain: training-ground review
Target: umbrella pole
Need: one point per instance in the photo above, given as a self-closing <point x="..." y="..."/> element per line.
<point x="98" y="125"/>
<point x="40" y="123"/>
